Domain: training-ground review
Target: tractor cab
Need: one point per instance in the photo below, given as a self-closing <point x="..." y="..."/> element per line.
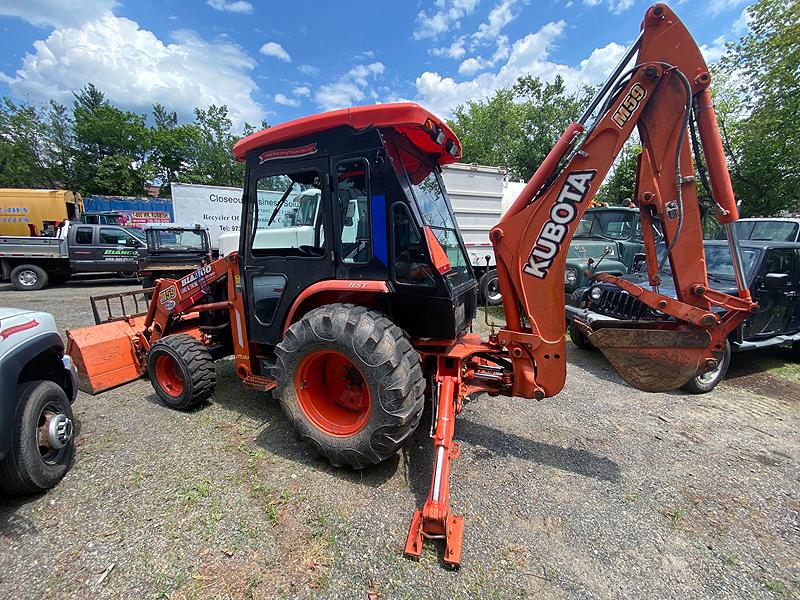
<point x="352" y="203"/>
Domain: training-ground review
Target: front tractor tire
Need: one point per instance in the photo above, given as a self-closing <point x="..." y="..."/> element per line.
<point x="181" y="370"/>
<point x="350" y="383"/>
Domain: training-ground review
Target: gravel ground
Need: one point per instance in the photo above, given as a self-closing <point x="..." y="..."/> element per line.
<point x="600" y="492"/>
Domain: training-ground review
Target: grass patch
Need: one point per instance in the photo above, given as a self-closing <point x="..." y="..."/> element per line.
<point x="675" y="514"/>
<point x="777" y="587"/>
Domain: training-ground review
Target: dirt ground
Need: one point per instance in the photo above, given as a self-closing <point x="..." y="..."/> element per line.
<point x="600" y="492"/>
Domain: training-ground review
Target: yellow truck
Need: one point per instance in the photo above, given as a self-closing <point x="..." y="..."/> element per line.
<point x="44" y="209"/>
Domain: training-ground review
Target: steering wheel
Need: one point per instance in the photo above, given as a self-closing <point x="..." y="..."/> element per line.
<point x="311" y="250"/>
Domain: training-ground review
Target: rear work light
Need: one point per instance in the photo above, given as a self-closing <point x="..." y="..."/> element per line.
<point x="452" y="148"/>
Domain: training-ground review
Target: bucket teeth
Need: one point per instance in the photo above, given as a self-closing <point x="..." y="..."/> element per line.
<point x="106" y="355"/>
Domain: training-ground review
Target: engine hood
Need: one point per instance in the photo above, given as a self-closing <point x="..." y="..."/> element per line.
<point x="583" y="248"/>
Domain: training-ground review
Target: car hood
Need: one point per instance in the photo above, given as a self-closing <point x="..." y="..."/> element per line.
<point x="667" y="287"/>
<point x="584" y="248"/>
<point x="7" y="313"/>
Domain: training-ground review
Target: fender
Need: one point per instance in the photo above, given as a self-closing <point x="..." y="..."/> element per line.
<point x="10" y="368"/>
<point x="357" y="291"/>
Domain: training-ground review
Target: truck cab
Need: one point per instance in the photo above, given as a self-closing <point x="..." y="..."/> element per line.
<point x="607" y="240"/>
<point x="173" y="251"/>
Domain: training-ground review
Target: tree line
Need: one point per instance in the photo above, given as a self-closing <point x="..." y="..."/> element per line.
<point x="757" y="94"/>
<point x="94" y="147"/>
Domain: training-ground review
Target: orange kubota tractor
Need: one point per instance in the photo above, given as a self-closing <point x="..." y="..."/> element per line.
<point x="351" y="296"/>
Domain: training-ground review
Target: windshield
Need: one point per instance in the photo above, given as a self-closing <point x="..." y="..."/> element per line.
<point x="137" y="233"/>
<point x="432" y="203"/>
<point x="175" y="239"/>
<point x="772" y="231"/>
<point x="615" y="225"/>
<point x="718" y="261"/>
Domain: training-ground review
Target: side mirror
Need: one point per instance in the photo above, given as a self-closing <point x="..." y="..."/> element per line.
<point x="776" y="281"/>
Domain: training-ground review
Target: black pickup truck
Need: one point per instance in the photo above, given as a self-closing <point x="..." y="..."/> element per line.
<point x="33" y="262"/>
<point x="773" y="276"/>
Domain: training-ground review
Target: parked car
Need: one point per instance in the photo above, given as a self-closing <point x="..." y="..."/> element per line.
<point x="33" y="262"/>
<point x="773" y="277"/>
<point x="38" y="384"/>
<point x="770" y="229"/>
<point x="173" y="251"/>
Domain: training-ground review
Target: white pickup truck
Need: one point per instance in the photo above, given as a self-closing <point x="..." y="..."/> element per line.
<point x="38" y="384"/>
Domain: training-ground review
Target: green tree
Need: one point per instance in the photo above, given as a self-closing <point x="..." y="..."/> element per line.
<point x="517" y="126"/>
<point x="108" y="138"/>
<point x="620" y="183"/>
<point x="760" y="123"/>
<point x="212" y="159"/>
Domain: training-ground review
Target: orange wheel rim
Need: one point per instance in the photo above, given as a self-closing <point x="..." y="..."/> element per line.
<point x="333" y="393"/>
<point x="169" y="376"/>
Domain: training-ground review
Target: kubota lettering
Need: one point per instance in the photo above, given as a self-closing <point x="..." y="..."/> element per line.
<point x="563" y="212"/>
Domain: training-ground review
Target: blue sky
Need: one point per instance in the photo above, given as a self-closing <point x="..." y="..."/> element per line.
<point x="282" y="60"/>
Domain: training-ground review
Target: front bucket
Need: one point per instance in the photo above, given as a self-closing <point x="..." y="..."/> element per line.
<point x="653" y="360"/>
<point x="107" y="355"/>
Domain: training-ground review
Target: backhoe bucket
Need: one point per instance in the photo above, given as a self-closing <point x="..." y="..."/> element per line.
<point x="107" y="355"/>
<point x="653" y="359"/>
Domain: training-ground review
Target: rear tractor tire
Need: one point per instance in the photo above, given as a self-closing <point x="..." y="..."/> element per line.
<point x="350" y="383"/>
<point x="181" y="370"/>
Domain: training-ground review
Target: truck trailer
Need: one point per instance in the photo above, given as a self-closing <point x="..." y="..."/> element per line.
<point x="31" y="212"/>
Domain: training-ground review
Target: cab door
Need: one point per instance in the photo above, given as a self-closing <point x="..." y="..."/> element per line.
<point x="775" y="290"/>
<point x="285" y="242"/>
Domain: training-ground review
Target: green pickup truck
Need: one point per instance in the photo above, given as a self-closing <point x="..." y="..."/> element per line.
<point x="608" y="240"/>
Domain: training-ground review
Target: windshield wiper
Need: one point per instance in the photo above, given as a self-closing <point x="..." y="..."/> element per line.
<point x="280" y="204"/>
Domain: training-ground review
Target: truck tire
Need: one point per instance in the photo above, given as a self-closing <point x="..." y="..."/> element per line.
<point x="489" y="289"/>
<point x="703" y="384"/>
<point x="181" y="371"/>
<point x="43" y="442"/>
<point x="579" y="338"/>
<point x="350" y="383"/>
<point x="28" y="278"/>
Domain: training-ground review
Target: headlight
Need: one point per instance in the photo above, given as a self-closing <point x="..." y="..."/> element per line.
<point x="571" y="276"/>
<point x="595" y="293"/>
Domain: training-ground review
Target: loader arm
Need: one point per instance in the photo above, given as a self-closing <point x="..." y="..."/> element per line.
<point x="667" y="85"/>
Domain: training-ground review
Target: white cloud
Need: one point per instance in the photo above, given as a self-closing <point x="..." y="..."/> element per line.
<point x="615" y="6"/>
<point x="741" y="25"/>
<point x="713" y="52"/>
<point x="301" y="91"/>
<point x="446" y="17"/>
<point x="715" y="7"/>
<point x="308" y="70"/>
<point x="276" y="50"/>
<point x="350" y="88"/>
<point x="56" y="13"/>
<point x="286" y="101"/>
<point x="239" y="6"/>
<point x="136" y="69"/>
<point x="500" y="16"/>
<point x="529" y="55"/>
<point x="454" y="50"/>
<point x="473" y="65"/>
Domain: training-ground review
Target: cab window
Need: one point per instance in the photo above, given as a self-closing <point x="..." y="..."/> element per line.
<point x="116" y="237"/>
<point x="411" y="263"/>
<point x="83" y="235"/>
<point x="352" y="190"/>
<point x="288" y="219"/>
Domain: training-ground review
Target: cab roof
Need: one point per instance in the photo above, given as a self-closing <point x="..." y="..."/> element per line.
<point x="406" y="118"/>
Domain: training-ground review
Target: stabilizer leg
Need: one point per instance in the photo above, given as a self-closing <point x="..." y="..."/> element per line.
<point x="435" y="521"/>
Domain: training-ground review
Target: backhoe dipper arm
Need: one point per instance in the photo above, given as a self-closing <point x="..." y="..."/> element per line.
<point x="659" y="94"/>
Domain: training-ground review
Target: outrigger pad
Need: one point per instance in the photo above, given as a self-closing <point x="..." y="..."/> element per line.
<point x="653" y="360"/>
<point x="106" y="355"/>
